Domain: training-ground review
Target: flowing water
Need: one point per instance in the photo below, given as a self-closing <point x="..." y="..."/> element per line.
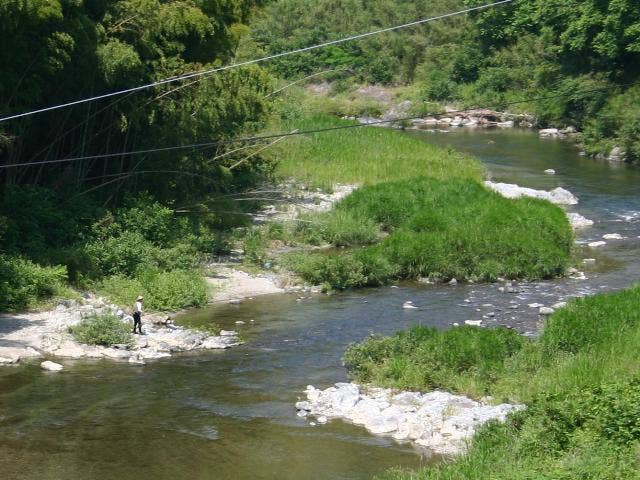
<point x="230" y="415"/>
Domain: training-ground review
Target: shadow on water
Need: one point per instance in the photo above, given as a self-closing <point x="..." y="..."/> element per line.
<point x="229" y="414"/>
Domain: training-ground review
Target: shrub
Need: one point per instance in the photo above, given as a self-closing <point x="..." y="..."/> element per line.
<point x="106" y="330"/>
<point x="254" y="247"/>
<point x="23" y="282"/>
<point x="162" y="290"/>
<point x="439" y="86"/>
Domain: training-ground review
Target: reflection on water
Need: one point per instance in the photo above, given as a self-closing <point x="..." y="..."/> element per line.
<point x="229" y="414"/>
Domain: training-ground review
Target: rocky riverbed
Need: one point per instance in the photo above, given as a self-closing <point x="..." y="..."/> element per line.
<point x="46" y="334"/>
<point x="439" y="422"/>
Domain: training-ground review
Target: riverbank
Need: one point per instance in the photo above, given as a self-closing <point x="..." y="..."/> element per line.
<point x="47" y="334"/>
<point x="578" y="380"/>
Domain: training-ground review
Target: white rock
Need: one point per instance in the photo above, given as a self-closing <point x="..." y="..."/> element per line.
<point x="322" y="419"/>
<point x="578" y="221"/>
<point x="536" y="305"/>
<point x="596" y="244"/>
<point x="408" y="305"/>
<point x="51" y="366"/>
<point x="546" y="310"/>
<point x="559" y="195"/>
<point x="557" y="305"/>
<point x="616" y="155"/>
<point x="612" y="236"/>
<point x="453" y="281"/>
<point x="549" y="132"/>
<point x="474" y="323"/>
<point x="550" y="171"/>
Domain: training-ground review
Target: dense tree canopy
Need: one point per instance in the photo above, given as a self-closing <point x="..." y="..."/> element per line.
<point x="56" y="51"/>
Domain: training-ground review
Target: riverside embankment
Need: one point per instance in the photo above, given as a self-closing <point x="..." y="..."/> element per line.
<point x="232" y="414"/>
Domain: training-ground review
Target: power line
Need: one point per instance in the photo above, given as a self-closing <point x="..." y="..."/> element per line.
<point x="258" y="138"/>
<point x="254" y="61"/>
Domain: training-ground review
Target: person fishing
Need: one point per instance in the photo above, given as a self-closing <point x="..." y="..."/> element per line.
<point x="137" y="314"/>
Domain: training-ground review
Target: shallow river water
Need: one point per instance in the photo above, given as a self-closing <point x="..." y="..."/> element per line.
<point x="230" y="415"/>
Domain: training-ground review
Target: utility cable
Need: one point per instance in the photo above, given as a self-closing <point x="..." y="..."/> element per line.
<point x="254" y="61"/>
<point x="258" y="138"/>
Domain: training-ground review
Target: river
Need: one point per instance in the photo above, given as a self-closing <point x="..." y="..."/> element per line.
<point x="230" y="415"/>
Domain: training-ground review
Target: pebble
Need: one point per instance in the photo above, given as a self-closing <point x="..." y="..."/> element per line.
<point x="550" y="171"/>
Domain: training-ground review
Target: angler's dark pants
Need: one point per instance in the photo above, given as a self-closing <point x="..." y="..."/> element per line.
<point x="137" y="322"/>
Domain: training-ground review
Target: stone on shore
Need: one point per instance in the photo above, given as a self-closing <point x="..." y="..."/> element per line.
<point x="559" y="195"/>
<point x="578" y="221"/>
<point x="51" y="366"/>
<point x="546" y="310"/>
<point x="596" y="244"/>
<point x="438" y="421"/>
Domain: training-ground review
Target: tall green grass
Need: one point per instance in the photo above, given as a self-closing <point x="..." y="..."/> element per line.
<point x="365" y="155"/>
<point x="440" y="228"/>
<point x="580" y="381"/>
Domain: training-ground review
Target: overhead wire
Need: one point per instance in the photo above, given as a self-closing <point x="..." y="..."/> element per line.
<point x="257" y="138"/>
<point x="186" y="76"/>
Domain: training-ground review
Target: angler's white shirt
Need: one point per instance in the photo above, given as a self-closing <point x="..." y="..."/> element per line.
<point x="138" y="307"/>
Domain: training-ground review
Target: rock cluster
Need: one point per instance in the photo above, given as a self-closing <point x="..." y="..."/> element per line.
<point x="559" y="195"/>
<point x="557" y="133"/>
<point x="47" y="333"/>
<point x="438" y="421"/>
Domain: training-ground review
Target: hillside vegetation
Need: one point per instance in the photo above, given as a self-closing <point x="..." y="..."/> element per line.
<point x="584" y="54"/>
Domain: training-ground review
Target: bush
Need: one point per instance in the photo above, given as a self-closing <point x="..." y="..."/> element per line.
<point x="439" y="86"/>
<point x="106" y="330"/>
<point x="162" y="290"/>
<point x="23" y="282"/>
<point x="254" y="247"/>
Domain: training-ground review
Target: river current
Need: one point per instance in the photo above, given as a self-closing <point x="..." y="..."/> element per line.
<point x="230" y="414"/>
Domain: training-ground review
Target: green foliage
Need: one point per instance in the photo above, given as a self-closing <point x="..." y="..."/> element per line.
<point x="254" y="247"/>
<point x="438" y="86"/>
<point x="365" y="156"/>
<point x="58" y="51"/>
<point x="582" y="394"/>
<point x="292" y="24"/>
<point x="171" y="290"/>
<point x="106" y="330"/>
<point x="23" y="282"/>
<point x="340" y="228"/>
<point x="446" y="229"/>
<point x="464" y="359"/>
